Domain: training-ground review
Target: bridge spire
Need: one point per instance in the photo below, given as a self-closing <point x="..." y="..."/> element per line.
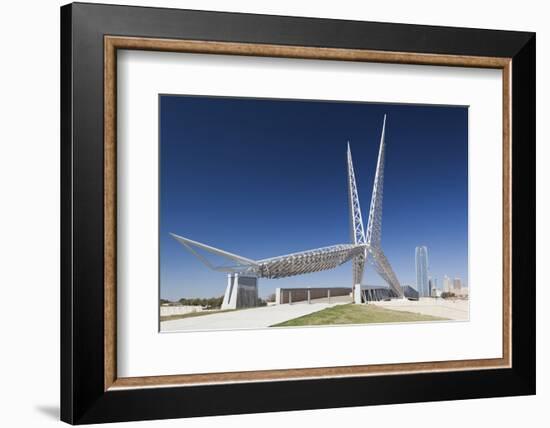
<point x="357" y="231"/>
<point x="374" y="225"/>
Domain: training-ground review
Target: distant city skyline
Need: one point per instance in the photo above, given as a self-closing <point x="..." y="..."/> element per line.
<point x="423" y="270"/>
<point x="268" y="177"/>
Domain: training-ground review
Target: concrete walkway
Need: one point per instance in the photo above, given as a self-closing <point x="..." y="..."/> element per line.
<point x="251" y="318"/>
<point x="445" y="308"/>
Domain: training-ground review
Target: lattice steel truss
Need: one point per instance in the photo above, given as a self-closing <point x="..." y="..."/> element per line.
<point x="363" y="247"/>
<point x="308" y="261"/>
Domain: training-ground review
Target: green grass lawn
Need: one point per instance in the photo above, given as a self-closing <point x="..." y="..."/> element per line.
<point x="356" y="314"/>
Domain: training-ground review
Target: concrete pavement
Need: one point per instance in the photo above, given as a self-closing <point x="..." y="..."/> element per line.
<point x="251" y="318"/>
<point x="445" y="308"/>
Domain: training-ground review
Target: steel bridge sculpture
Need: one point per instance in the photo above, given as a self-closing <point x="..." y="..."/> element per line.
<point x="366" y="247"/>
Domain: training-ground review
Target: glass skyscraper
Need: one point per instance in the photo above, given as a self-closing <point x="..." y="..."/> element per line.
<point x="421" y="259"/>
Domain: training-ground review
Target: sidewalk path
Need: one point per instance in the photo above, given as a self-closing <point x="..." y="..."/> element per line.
<point x="250" y="318"/>
<point x="454" y="310"/>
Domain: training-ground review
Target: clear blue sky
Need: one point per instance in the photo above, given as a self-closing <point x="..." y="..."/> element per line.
<point x="263" y="178"/>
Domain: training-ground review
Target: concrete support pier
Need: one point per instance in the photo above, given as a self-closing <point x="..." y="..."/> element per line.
<point x="357" y="298"/>
<point x="241" y="292"/>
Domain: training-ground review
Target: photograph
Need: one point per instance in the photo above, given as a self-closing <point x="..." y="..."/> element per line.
<point x="290" y="213"/>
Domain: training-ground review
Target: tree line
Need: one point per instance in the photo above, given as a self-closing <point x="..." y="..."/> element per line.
<point x="207" y="302"/>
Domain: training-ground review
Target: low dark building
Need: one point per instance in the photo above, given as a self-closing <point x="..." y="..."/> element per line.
<point x="410" y="292"/>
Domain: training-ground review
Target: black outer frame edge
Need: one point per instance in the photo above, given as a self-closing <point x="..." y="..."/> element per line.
<point x="168" y="403"/>
<point x="524" y="213"/>
<point x="82" y="397"/>
<point x="299" y="31"/>
<point x="66" y="306"/>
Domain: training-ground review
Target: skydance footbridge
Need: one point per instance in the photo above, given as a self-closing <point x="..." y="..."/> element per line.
<point x="243" y="273"/>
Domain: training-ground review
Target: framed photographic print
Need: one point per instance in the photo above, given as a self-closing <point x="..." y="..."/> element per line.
<point x="273" y="213"/>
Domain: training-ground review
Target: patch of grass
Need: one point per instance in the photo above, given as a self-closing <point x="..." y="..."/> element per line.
<point x="356" y="314"/>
